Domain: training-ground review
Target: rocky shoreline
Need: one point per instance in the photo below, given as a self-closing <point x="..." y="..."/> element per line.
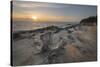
<point x="50" y="45"/>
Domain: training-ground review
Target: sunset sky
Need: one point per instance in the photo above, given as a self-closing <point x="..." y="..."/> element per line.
<point x="37" y="11"/>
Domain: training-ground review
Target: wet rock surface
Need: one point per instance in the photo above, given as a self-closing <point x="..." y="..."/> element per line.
<point x="55" y="45"/>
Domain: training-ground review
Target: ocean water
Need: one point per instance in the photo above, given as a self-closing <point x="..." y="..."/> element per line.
<point x="30" y="25"/>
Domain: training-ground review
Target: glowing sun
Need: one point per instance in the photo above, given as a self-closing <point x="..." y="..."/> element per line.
<point x="34" y="18"/>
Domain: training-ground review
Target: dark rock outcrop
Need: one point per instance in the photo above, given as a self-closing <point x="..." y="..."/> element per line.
<point x="89" y="21"/>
